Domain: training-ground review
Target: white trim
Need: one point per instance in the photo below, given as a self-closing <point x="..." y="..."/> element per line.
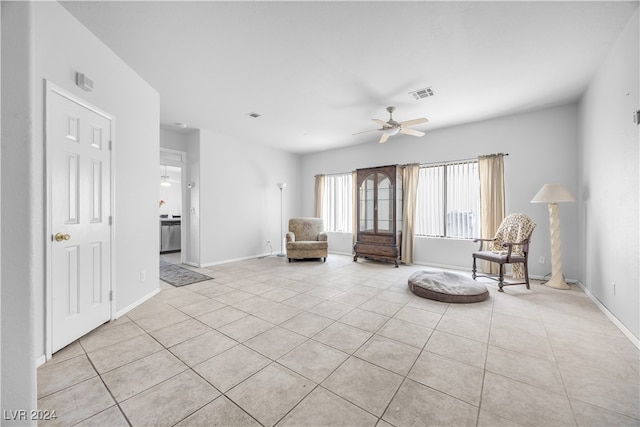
<point x="443" y="266"/>
<point x="634" y="340"/>
<point x="41" y="360"/>
<point x="341" y="253"/>
<point x="211" y="264"/>
<point x="133" y="305"/>
<point x="51" y="88"/>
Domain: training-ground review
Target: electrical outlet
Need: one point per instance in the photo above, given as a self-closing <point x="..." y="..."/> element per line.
<point x="541" y="260"/>
<point x="143" y="276"/>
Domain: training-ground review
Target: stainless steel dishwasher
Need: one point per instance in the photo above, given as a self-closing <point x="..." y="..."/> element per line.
<point x="169" y="235"/>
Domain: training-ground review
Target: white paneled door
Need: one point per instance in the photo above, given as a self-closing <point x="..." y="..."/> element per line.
<point x="79" y="159"/>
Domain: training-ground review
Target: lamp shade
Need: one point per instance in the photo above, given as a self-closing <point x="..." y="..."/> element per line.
<point x="281" y="185"/>
<point x="553" y="193"/>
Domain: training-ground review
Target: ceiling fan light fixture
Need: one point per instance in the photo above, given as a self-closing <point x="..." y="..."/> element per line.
<point x="165" y="183"/>
<point x="392" y="127"/>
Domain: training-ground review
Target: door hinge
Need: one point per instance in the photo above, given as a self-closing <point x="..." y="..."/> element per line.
<point x="110" y="220"/>
<point x="110" y="145"/>
<point x="110" y="295"/>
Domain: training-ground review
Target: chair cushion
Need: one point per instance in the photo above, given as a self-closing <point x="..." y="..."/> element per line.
<point x="307" y="245"/>
<point x="499" y="257"/>
<point x="447" y="287"/>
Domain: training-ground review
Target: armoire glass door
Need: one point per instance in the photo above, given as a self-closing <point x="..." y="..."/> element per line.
<point x="376" y="204"/>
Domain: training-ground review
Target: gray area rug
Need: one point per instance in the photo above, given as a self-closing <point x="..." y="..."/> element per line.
<point x="179" y="276"/>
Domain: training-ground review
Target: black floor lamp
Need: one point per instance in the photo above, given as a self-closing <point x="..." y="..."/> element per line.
<point x="281" y="186"/>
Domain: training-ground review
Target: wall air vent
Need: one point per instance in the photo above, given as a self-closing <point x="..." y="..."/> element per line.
<point x="253" y="115"/>
<point x="422" y="93"/>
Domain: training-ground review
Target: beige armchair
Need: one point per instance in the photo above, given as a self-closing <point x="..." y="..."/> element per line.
<point x="306" y="239"/>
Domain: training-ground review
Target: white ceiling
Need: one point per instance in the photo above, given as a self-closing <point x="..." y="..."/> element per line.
<point x="318" y="72"/>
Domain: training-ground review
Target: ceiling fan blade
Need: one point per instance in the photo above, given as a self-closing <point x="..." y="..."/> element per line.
<point x="380" y="122"/>
<point x="412" y="132"/>
<point x="365" y="131"/>
<point x="384" y="138"/>
<point x="414" y="122"/>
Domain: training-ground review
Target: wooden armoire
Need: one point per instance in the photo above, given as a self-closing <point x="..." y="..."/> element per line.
<point x="379" y="206"/>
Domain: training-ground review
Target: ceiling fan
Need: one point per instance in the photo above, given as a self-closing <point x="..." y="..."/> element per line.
<point x="391" y="127"/>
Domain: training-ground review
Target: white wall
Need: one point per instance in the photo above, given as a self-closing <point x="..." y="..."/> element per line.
<point x="174" y="140"/>
<point x="50" y="44"/>
<point x="609" y="188"/>
<point x="192" y="214"/>
<point x="22" y="269"/>
<point x="64" y="46"/>
<point x="239" y="199"/>
<point x="1" y="406"/>
<point x="234" y="206"/>
<point x="542" y="147"/>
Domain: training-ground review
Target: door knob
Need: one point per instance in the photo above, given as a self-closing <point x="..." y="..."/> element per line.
<point x="60" y="237"/>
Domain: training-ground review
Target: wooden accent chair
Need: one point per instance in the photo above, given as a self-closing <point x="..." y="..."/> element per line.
<point x="306" y="239"/>
<point x="510" y="245"/>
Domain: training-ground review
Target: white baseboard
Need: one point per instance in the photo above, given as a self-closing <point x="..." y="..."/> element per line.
<point x="40" y="360"/>
<point x="226" y="261"/>
<point x="627" y="333"/>
<point x="443" y="266"/>
<point x="135" y="304"/>
<point x="341" y="253"/>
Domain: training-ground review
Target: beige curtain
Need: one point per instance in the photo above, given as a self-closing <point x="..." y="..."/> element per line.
<point x="492" y="207"/>
<point x="410" y="191"/>
<point x="319" y="193"/>
<point x="354" y="208"/>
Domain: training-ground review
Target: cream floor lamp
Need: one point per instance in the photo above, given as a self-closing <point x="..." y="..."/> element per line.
<point x="281" y="186"/>
<point x="553" y="194"/>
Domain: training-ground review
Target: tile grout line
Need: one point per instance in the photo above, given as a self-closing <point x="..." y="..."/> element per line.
<point x="350" y="355"/>
<point x="484" y="370"/>
<point x="404" y="379"/>
<point x="106" y="387"/>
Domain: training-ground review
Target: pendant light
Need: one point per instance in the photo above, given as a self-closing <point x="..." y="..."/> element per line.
<point x="164" y="179"/>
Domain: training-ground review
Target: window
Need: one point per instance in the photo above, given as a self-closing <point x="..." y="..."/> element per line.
<point x="448" y="201"/>
<point x="337" y="203"/>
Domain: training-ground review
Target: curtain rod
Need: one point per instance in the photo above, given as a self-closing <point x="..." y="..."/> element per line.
<point x="462" y="160"/>
<point x="332" y="174"/>
<point x="423" y="164"/>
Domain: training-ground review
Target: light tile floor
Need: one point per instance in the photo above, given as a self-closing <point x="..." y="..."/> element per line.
<point x="267" y="342"/>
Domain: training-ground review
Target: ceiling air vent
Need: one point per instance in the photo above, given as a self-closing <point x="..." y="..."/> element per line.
<point x="253" y="115"/>
<point x="422" y="93"/>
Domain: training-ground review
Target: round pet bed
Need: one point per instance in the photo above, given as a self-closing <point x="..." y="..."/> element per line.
<point x="447" y="287"/>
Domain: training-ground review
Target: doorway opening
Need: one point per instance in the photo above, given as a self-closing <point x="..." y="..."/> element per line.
<point x="172" y="224"/>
